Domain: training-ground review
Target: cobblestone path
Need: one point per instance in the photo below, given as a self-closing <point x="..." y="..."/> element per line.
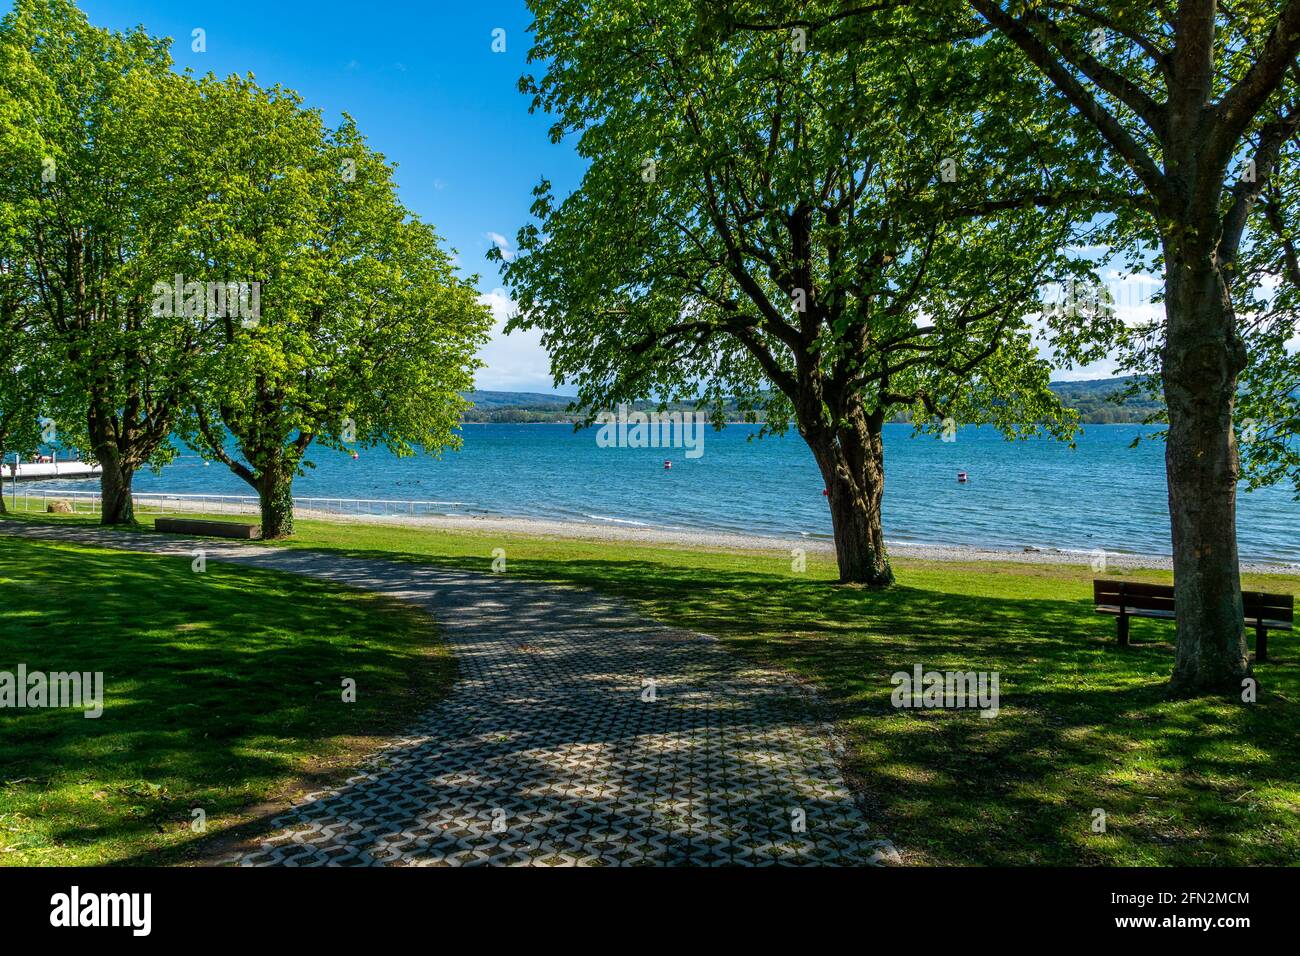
<point x="578" y="733"/>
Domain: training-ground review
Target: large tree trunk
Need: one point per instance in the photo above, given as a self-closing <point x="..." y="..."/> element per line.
<point x="852" y="462"/>
<point x="1200" y="362"/>
<point x="275" y="495"/>
<point x="117" y="471"/>
<point x="115" y="490"/>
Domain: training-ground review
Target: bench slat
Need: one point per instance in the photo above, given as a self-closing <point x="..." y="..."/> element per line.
<point x="1133" y="588"/>
<point x="1135" y="612"/>
<point x="1271" y="625"/>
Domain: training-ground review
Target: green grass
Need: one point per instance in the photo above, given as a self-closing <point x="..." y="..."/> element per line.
<point x="1084" y="723"/>
<point x="223" y="691"/>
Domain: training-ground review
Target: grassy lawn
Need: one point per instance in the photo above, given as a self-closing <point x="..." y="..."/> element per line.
<point x="222" y="691"/>
<point x="1084" y="724"/>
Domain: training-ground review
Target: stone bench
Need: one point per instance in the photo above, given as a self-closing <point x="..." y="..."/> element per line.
<point x="210" y="529"/>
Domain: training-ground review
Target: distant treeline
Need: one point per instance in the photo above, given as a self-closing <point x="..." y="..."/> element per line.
<point x="1095" y="400"/>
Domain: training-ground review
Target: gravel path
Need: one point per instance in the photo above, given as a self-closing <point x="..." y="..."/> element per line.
<point x="579" y="733"/>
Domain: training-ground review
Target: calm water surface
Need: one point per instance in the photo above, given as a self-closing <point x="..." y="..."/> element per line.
<point x="1041" y="493"/>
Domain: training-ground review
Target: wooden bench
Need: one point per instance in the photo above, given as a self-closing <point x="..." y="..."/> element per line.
<point x="211" y="529"/>
<point x="1127" y="599"/>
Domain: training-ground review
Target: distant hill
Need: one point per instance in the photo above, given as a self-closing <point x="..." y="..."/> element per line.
<point x="1093" y="399"/>
<point x="541" y="401"/>
<point x="533" y="407"/>
<point x="517" y="407"/>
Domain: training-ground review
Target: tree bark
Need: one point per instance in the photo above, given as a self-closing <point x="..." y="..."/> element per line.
<point x="852" y="462"/>
<point x="117" y="471"/>
<point x="117" y="508"/>
<point x="1200" y="363"/>
<point x="275" y="494"/>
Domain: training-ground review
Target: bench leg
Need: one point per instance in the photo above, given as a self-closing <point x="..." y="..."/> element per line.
<point x="1121" y="626"/>
<point x="1261" y="643"/>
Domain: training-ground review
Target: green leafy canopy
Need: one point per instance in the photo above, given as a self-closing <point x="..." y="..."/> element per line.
<point x="857" y="228"/>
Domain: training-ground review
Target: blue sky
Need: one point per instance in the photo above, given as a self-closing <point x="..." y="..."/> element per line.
<point x="425" y="87"/>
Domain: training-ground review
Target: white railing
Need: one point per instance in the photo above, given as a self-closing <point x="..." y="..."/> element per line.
<point x="88" y="502"/>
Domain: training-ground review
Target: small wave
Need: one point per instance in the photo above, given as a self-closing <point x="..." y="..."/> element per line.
<point x="642" y="524"/>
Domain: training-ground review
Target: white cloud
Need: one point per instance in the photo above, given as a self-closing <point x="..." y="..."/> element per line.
<point x="1106" y="368"/>
<point x="502" y="306"/>
<point x="1132" y="294"/>
<point x="516" y="362"/>
<point x="1131" y="297"/>
<point x="502" y="243"/>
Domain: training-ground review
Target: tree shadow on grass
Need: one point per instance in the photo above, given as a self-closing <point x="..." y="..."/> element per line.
<point x="1085" y="725"/>
<point x="217" y="687"/>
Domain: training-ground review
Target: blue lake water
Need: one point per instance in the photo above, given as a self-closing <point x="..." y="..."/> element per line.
<point x="1101" y="494"/>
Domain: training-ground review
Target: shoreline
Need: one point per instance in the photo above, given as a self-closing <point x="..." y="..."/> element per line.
<point x="730" y="541"/>
<point x="615" y="533"/>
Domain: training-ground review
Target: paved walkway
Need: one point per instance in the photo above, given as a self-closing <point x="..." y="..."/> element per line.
<point x="578" y="734"/>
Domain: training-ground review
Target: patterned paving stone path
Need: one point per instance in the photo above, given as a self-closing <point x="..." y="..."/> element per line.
<point x="549" y="750"/>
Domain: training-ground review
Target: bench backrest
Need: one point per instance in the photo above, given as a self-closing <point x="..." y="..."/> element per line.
<point x="1160" y="597"/>
<point x="1134" y="595"/>
<point x="1269" y="607"/>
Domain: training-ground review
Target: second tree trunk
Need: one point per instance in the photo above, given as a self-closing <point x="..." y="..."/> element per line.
<point x="1201" y="360"/>
<point x="852" y="463"/>
<point x="115" y="479"/>
<point x="275" y="495"/>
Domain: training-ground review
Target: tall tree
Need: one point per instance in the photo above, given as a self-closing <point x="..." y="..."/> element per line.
<point x="20" y="384"/>
<point x="24" y="377"/>
<point x="1193" y="104"/>
<point x="1185" y="108"/>
<point x="799" y="226"/>
<point x="364" y="335"/>
<point x="101" y="187"/>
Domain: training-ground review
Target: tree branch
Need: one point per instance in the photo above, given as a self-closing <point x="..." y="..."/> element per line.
<point x="1106" y="123"/>
<point x="1240" y="104"/>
